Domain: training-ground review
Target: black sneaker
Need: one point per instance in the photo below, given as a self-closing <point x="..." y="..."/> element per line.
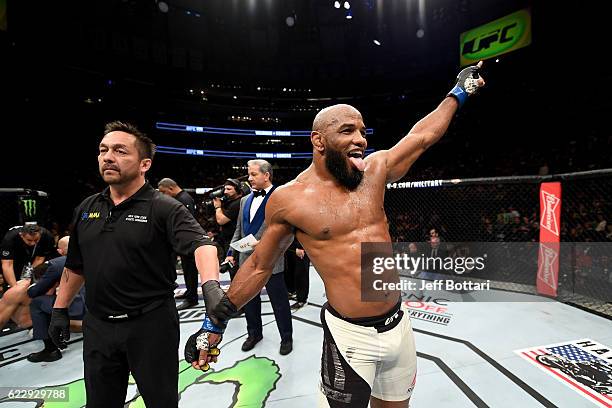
<point x="45" y="355"/>
<point x="250" y="342"/>
<point x="298" y="305"/>
<point x="286" y="347"/>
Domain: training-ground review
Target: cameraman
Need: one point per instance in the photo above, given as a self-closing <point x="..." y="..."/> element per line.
<point x="226" y="214"/>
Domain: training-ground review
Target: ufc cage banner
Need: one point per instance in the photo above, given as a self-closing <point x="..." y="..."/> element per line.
<point x="498" y="37"/>
<point x="550" y="221"/>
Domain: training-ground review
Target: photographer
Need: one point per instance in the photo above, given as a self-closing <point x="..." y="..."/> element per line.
<point x="227" y="208"/>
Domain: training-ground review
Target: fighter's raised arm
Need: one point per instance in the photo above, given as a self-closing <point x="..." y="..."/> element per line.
<point x="427" y="131"/>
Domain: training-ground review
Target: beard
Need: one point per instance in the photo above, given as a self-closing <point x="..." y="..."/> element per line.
<point x="344" y="172"/>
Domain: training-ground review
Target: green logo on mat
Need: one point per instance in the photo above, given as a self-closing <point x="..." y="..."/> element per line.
<point x="254" y="378"/>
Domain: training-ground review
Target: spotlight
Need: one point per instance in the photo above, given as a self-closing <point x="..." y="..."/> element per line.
<point x="377" y="42"/>
<point x="290" y="20"/>
<point x="336" y="4"/>
<point x="163" y="6"/>
<point x="347" y="5"/>
<point x="420" y="33"/>
<point x="349" y="15"/>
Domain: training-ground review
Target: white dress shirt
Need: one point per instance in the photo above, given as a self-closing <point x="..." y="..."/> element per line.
<point x="257" y="202"/>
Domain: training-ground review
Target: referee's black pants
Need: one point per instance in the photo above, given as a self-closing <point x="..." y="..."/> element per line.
<point x="145" y="346"/>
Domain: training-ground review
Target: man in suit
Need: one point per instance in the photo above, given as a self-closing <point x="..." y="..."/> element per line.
<point x="251" y="221"/>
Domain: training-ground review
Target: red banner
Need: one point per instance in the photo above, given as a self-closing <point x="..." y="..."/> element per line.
<point x="550" y="221"/>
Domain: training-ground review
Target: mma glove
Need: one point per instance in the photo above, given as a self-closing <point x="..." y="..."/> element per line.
<point x="59" y="327"/>
<point x="199" y="341"/>
<point x="466" y="85"/>
<point x="218" y="306"/>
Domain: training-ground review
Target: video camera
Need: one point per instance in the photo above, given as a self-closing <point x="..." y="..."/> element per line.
<point x="219" y="192"/>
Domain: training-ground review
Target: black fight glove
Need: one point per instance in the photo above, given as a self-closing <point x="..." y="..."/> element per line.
<point x="59" y="327"/>
<point x="199" y="341"/>
<point x="467" y="84"/>
<point x="218" y="306"/>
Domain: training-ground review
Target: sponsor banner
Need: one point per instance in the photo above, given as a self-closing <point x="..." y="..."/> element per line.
<point x="498" y="37"/>
<point x="550" y="211"/>
<point x="550" y="220"/>
<point x="431" y="310"/>
<point x="584" y="365"/>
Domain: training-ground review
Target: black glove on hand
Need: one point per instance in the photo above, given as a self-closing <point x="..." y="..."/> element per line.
<point x="218" y="306"/>
<point x="59" y="327"/>
<point x="199" y="341"/>
<point x="467" y="83"/>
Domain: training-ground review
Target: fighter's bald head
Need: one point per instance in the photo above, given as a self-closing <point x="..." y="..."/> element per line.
<point x="331" y="115"/>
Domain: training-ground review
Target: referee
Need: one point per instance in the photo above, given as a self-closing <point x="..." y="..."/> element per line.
<point x="122" y="247"/>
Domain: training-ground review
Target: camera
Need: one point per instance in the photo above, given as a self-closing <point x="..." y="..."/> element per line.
<point x="225" y="266"/>
<point x="217" y="194"/>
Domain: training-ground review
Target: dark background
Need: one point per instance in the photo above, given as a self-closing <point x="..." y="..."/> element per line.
<point x="69" y="67"/>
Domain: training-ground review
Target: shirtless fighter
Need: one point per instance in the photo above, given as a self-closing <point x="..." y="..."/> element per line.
<point x="332" y="207"/>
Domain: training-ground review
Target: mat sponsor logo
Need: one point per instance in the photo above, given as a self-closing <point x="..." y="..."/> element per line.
<point x="584" y="365"/>
<point x="549" y="217"/>
<point x="254" y="378"/>
<point x="428" y="309"/>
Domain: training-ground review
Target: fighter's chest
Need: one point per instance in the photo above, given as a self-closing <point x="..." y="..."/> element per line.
<point x="332" y="215"/>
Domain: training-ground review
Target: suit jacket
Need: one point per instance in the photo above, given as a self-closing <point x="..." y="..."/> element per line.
<point x="239" y="233"/>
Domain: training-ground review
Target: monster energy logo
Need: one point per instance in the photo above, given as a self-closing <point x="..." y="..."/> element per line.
<point x="29" y="207"/>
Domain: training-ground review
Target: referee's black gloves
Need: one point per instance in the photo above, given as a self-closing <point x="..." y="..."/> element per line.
<point x="59" y="327"/>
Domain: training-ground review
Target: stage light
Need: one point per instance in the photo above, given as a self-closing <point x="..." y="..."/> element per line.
<point x="347" y="5"/>
<point x="336" y="4"/>
<point x="377" y="42"/>
<point x="163" y="6"/>
<point x="420" y="33"/>
<point x="349" y="15"/>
